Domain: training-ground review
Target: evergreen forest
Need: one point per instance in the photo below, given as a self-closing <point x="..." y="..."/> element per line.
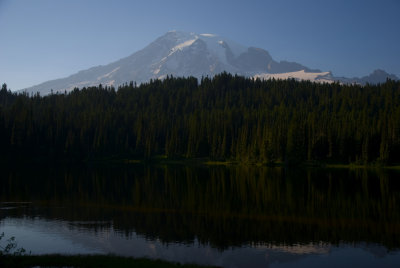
<point x="224" y="118"/>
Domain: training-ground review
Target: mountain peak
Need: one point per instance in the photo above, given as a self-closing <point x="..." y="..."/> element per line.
<point x="181" y="53"/>
<point x="379" y="71"/>
<point x="378" y="76"/>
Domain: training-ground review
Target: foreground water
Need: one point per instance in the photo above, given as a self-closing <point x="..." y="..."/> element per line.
<point x="225" y="216"/>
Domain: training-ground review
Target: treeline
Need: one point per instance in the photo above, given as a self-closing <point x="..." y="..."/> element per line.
<point x="223" y="118"/>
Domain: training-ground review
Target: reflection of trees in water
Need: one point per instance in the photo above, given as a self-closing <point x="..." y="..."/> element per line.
<point x="223" y="206"/>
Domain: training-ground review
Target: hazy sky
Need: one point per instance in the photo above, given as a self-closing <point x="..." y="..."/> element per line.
<point x="48" y="39"/>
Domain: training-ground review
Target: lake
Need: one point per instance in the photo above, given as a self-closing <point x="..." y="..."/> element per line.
<point x="229" y="216"/>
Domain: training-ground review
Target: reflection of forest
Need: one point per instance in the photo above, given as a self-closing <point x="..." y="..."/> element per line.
<point x="223" y="206"/>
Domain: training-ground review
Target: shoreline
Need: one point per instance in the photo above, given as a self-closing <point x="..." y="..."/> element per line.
<point x="204" y="161"/>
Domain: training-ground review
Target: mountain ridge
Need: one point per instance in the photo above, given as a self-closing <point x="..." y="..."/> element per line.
<point x="189" y="54"/>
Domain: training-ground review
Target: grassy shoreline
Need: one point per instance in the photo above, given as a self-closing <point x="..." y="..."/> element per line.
<point x="56" y="260"/>
<point x="211" y="162"/>
<point x="163" y="160"/>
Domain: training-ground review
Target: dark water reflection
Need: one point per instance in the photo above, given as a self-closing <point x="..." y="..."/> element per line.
<point x="239" y="211"/>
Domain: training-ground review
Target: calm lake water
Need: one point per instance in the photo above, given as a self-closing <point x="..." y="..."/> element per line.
<point x="224" y="216"/>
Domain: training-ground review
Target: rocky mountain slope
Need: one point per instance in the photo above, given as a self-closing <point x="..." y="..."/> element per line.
<point x="189" y="54"/>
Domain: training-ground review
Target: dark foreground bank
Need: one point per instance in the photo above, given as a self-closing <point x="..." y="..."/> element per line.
<point x="84" y="261"/>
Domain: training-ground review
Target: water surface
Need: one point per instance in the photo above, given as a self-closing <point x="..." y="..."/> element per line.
<point x="226" y="216"/>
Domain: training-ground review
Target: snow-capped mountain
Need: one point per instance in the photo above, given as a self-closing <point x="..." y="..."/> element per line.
<point x="185" y="54"/>
<point x="321" y="77"/>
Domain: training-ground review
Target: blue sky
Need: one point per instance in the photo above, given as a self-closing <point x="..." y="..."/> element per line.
<point x="48" y="39"/>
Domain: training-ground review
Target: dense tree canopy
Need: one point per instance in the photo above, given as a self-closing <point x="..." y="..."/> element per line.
<point x="226" y="117"/>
